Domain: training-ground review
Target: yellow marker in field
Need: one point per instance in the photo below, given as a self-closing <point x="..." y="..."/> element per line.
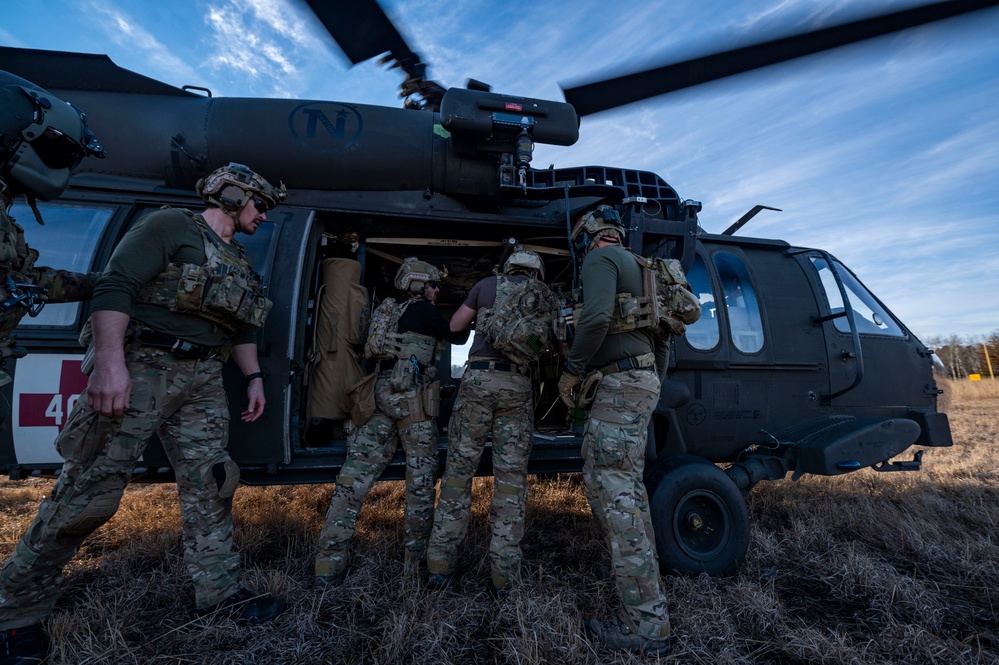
<point x="975" y="377"/>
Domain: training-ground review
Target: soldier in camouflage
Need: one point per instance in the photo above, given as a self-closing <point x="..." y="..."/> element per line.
<point x="496" y="397"/>
<point x="160" y="331"/>
<point x="41" y="140"/>
<point x="633" y="364"/>
<point x="407" y="399"/>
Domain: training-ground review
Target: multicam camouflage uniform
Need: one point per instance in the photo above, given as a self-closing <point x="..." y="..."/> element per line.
<point x="500" y="403"/>
<point x="182" y="400"/>
<point x="495" y="398"/>
<point x="614" y="444"/>
<point x="369" y="451"/>
<point x="17" y="261"/>
<point x="401" y="413"/>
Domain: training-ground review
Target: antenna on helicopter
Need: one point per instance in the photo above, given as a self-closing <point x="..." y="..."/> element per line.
<point x="739" y="223"/>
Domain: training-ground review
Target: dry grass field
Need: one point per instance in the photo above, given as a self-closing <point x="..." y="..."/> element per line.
<point x="866" y="568"/>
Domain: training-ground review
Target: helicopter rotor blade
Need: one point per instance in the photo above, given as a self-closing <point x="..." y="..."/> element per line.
<point x="611" y="93"/>
<point x="362" y="30"/>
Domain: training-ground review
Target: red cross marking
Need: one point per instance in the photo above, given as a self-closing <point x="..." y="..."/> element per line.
<point x="52" y="409"/>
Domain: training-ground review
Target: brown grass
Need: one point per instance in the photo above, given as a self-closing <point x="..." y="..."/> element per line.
<point x="863" y="568"/>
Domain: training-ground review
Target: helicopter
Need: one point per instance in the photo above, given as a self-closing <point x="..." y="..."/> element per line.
<point x="795" y="367"/>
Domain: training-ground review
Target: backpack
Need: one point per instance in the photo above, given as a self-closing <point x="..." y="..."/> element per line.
<point x="519" y="324"/>
<point x="384" y="321"/>
<point x="672" y="306"/>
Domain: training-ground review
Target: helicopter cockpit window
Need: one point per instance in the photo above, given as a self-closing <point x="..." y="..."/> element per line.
<point x="870" y="316"/>
<point x="745" y="324"/>
<point x="68" y="241"/>
<point x="703" y="334"/>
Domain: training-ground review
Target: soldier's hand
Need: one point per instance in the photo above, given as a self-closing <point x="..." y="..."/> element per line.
<point x="109" y="389"/>
<point x="255" y="397"/>
<point x="566" y="386"/>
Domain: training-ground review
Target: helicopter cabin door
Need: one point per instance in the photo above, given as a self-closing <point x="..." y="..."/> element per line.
<point x="875" y="364"/>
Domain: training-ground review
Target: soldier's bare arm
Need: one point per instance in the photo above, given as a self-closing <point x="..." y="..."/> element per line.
<point x="110" y="384"/>
<point x="462" y="319"/>
<point x="245" y="356"/>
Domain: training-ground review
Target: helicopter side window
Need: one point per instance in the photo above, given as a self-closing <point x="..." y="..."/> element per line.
<point x="68" y="241"/>
<point x="745" y="324"/>
<point x="870" y="316"/>
<point x="703" y="334"/>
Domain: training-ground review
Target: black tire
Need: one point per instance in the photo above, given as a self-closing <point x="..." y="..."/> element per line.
<point x="699" y="516"/>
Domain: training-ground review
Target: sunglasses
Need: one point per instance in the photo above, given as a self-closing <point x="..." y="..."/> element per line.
<point x="260" y="204"/>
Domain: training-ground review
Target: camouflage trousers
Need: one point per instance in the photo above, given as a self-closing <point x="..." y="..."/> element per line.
<point x="181" y="400"/>
<point x="370" y="448"/>
<point x="500" y="403"/>
<point x="614" y="447"/>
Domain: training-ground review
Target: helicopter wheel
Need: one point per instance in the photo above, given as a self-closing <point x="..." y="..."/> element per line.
<point x="699" y="516"/>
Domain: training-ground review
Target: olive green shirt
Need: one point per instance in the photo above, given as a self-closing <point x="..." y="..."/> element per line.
<point x="606" y="272"/>
<point x="155" y="241"/>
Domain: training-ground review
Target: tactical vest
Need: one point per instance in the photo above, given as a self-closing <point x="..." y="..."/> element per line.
<point x="385" y="342"/>
<point x="665" y="308"/>
<point x="519" y="324"/>
<point x="225" y="290"/>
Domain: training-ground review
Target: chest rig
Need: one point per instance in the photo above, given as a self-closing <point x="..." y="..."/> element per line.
<point x="225" y="290"/>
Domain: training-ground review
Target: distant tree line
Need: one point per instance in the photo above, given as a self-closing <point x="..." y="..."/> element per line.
<point x="962" y="356"/>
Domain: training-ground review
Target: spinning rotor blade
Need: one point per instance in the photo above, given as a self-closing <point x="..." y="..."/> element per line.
<point x="363" y="30"/>
<point x="603" y="95"/>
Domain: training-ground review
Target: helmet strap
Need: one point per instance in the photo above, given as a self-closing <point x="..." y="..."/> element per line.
<point x="32" y="203"/>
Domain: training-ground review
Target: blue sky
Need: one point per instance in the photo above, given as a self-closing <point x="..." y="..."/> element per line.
<point x="884" y="153"/>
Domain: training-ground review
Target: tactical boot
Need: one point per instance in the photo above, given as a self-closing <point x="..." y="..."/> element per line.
<point x="246" y="608"/>
<point x="23" y="646"/>
<point x="329" y="581"/>
<point x="615" y="635"/>
<point x="440" y="581"/>
<point x="500" y="586"/>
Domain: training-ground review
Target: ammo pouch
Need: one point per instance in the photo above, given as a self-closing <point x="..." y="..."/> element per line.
<point x="403" y="375"/>
<point x="234" y="299"/>
<point x="424" y="405"/>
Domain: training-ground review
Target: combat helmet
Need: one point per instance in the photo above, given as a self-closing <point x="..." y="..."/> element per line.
<point x="414" y="275"/>
<point x="603" y="222"/>
<point x="42" y="139"/>
<point x="232" y="186"/>
<point x="524" y="260"/>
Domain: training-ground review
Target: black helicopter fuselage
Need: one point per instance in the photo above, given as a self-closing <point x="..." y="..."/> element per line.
<point x="794" y="366"/>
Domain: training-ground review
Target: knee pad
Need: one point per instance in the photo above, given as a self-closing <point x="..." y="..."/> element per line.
<point x="226" y="476"/>
<point x="94" y="514"/>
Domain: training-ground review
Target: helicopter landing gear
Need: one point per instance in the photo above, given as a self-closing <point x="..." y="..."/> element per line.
<point x="699" y="516"/>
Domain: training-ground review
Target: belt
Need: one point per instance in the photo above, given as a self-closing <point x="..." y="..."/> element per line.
<point x="644" y="361"/>
<point x="182" y="349"/>
<point x="493" y="365"/>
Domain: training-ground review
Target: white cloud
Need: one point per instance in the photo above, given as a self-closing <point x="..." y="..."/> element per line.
<point x="126" y="32"/>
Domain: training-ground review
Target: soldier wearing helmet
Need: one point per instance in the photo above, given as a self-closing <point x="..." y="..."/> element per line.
<point x="632" y="363"/>
<point x="404" y="340"/>
<point x="496" y="397"/>
<point x="42" y="139"/>
<point x="163" y="322"/>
